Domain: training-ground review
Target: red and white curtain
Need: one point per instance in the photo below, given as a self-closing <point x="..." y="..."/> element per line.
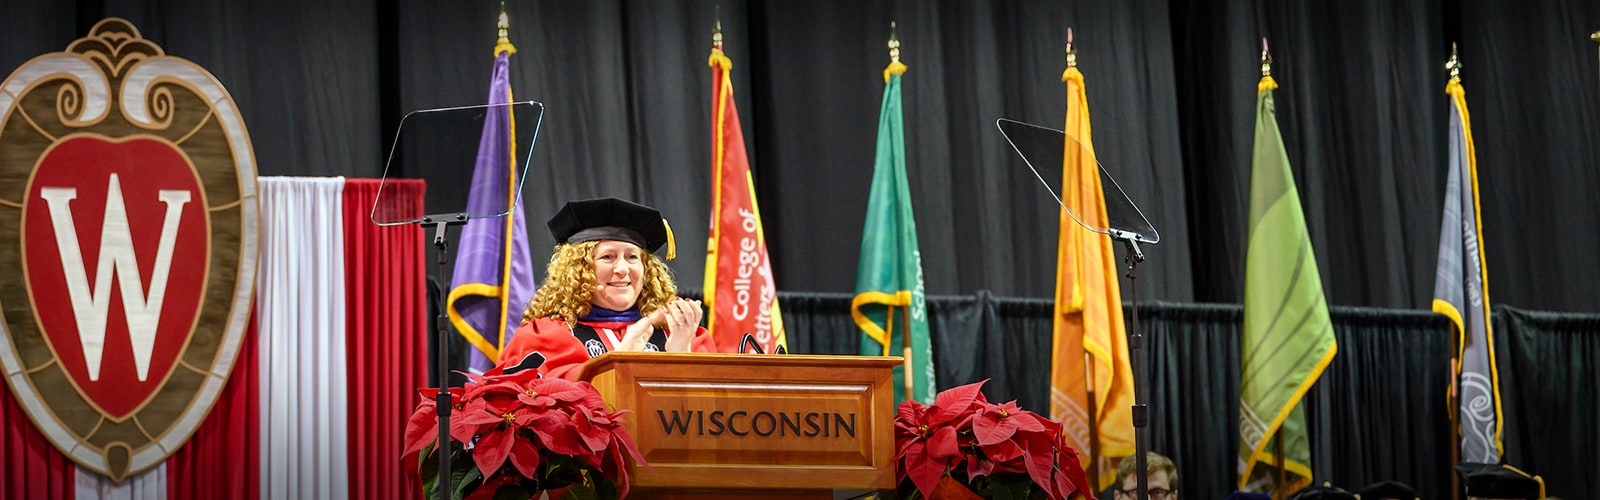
<point x="325" y="378"/>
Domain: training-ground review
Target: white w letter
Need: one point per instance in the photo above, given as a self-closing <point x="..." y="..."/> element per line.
<point x="116" y="256"/>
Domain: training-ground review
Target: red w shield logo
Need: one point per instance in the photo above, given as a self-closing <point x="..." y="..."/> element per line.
<point x="114" y="246"/>
<point x="128" y="215"/>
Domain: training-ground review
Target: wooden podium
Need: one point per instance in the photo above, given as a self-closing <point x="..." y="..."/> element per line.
<point x="740" y="425"/>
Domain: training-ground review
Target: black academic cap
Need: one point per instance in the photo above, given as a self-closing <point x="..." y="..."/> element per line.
<point x="1499" y="481"/>
<point x="1384" y="490"/>
<point x="612" y="219"/>
<point x="1324" y="492"/>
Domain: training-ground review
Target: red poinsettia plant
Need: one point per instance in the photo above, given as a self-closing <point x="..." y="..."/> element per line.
<point x="516" y="435"/>
<point x="963" y="446"/>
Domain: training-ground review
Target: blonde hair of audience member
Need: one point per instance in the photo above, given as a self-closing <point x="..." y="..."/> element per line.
<point x="1162" y="479"/>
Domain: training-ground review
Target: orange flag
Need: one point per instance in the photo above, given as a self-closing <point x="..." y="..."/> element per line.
<point x="739" y="290"/>
<point x="1088" y="308"/>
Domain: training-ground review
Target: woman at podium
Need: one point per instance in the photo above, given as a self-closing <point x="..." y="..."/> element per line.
<point x="605" y="290"/>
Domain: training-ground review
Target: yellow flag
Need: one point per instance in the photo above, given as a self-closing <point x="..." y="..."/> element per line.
<point x="1090" y="341"/>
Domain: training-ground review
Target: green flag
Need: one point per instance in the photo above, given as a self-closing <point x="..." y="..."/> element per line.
<point x="1288" y="339"/>
<point x="889" y="305"/>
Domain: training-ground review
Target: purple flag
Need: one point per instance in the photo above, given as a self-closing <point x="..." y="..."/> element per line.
<point x="493" y="278"/>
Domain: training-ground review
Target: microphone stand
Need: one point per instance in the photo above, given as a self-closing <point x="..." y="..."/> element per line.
<point x="1141" y="374"/>
<point x="441" y="226"/>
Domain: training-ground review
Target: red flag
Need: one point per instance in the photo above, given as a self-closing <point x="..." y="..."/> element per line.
<point x="739" y="289"/>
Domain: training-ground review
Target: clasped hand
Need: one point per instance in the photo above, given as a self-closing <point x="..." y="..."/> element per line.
<point x="680" y="317"/>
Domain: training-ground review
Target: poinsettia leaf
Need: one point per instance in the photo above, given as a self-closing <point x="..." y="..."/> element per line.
<point x="594" y="436"/>
<point x="909" y="408"/>
<point x="497" y="486"/>
<point x="428" y="470"/>
<point x="563" y="390"/>
<point x="991" y="429"/>
<point x="620" y="436"/>
<point x="942" y="445"/>
<point x="905" y="446"/>
<point x="1040" y="464"/>
<point x="913" y="449"/>
<point x="422" y="428"/>
<point x="540" y="400"/>
<point x="473" y="378"/>
<point x="500" y="390"/>
<point x="491" y="450"/>
<point x="1028" y="421"/>
<point x="1072" y="472"/>
<point x="618" y="471"/>
<point x="1002" y="452"/>
<point x="525" y="458"/>
<point x="924" y="471"/>
<point x="977" y="468"/>
<point x="473" y="407"/>
<point x="557" y="435"/>
<point x="955" y="402"/>
<point x="462" y="479"/>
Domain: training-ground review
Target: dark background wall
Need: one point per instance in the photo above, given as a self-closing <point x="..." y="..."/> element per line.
<point x="323" y="84"/>
<point x="1171" y="85"/>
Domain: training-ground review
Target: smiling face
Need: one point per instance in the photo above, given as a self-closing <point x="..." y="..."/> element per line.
<point x="618" y="274"/>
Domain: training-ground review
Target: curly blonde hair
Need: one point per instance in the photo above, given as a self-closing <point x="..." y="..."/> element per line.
<point x="569" y="284"/>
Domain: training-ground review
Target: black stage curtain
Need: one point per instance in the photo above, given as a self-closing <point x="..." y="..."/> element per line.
<point x="1548" y="368"/>
<point x="1171" y="84"/>
<point x="1378" y="413"/>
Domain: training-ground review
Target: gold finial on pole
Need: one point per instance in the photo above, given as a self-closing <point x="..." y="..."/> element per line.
<point x="894" y="44"/>
<point x="1072" y="52"/>
<point x="1595" y="36"/>
<point x="716" y="33"/>
<point x="1454" y="64"/>
<point x="1266" y="59"/>
<point x="503" y="24"/>
<point x="895" y="66"/>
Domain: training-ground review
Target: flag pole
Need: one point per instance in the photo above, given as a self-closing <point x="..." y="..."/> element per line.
<point x="905" y="329"/>
<point x="1277" y="452"/>
<point x="1279" y="474"/>
<point x="1453" y="66"/>
<point x="905" y="351"/>
<point x="1595" y="36"/>
<point x="1088" y="371"/>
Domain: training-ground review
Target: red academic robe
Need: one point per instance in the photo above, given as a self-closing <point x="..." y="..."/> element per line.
<point x="565" y="348"/>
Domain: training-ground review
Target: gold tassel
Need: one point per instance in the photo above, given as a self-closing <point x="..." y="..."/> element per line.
<point x="672" y="245"/>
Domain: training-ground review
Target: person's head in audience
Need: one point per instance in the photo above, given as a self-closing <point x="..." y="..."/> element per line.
<point x="1162" y="480"/>
<point x="1388" y="490"/>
